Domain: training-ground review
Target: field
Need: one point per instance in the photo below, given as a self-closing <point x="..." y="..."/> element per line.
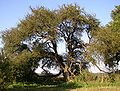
<point x="91" y="86"/>
<point x="63" y="89"/>
<point x="78" y="84"/>
<point x="97" y="89"/>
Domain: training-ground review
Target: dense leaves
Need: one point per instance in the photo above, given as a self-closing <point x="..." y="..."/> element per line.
<point x="106" y="44"/>
<point x="35" y="40"/>
<point x="4" y="70"/>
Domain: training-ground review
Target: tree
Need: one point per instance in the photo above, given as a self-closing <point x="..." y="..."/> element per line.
<point x="4" y="70"/>
<point x="106" y="44"/>
<point x="37" y="36"/>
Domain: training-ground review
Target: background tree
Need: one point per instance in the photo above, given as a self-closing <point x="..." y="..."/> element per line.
<point x="106" y="44"/>
<point x="36" y="39"/>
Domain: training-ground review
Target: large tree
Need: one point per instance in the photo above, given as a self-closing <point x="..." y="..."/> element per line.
<point x="36" y="39"/>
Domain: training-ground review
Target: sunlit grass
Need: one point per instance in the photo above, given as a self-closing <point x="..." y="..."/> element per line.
<point x="88" y="82"/>
<point x="97" y="89"/>
<point x="71" y="86"/>
<point x="66" y="89"/>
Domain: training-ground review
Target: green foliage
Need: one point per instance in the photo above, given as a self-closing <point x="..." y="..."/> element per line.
<point x="115" y="23"/>
<point x="87" y="80"/>
<point x="37" y="36"/>
<point x="5" y="75"/>
<point x="106" y="44"/>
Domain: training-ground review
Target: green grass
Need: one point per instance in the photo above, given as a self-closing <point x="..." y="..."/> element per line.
<point x="88" y="82"/>
<point x="67" y="89"/>
<point x="97" y="89"/>
<point x="69" y="86"/>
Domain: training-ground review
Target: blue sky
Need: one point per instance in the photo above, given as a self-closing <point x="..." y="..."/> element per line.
<point x="11" y="11"/>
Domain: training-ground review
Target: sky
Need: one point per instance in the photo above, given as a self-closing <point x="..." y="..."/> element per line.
<point x="12" y="11"/>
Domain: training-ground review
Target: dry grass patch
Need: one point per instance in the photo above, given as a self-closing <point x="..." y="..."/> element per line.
<point x="96" y="89"/>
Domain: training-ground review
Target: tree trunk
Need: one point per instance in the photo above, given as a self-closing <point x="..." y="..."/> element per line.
<point x="66" y="74"/>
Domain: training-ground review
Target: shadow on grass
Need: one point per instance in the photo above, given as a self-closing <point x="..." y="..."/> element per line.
<point x="37" y="89"/>
<point x="61" y="87"/>
<point x="40" y="89"/>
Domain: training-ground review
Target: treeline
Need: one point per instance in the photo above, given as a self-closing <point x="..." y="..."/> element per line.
<point x="35" y="40"/>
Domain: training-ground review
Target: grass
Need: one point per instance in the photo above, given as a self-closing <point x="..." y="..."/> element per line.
<point x="69" y="86"/>
<point x="68" y="89"/>
<point x="97" y="89"/>
<point x="88" y="82"/>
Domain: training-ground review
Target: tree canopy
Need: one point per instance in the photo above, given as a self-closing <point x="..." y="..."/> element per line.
<point x="36" y="39"/>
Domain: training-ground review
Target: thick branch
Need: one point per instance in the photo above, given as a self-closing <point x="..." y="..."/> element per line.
<point x="100" y="68"/>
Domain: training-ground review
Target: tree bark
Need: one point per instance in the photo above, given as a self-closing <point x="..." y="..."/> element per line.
<point x="66" y="74"/>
